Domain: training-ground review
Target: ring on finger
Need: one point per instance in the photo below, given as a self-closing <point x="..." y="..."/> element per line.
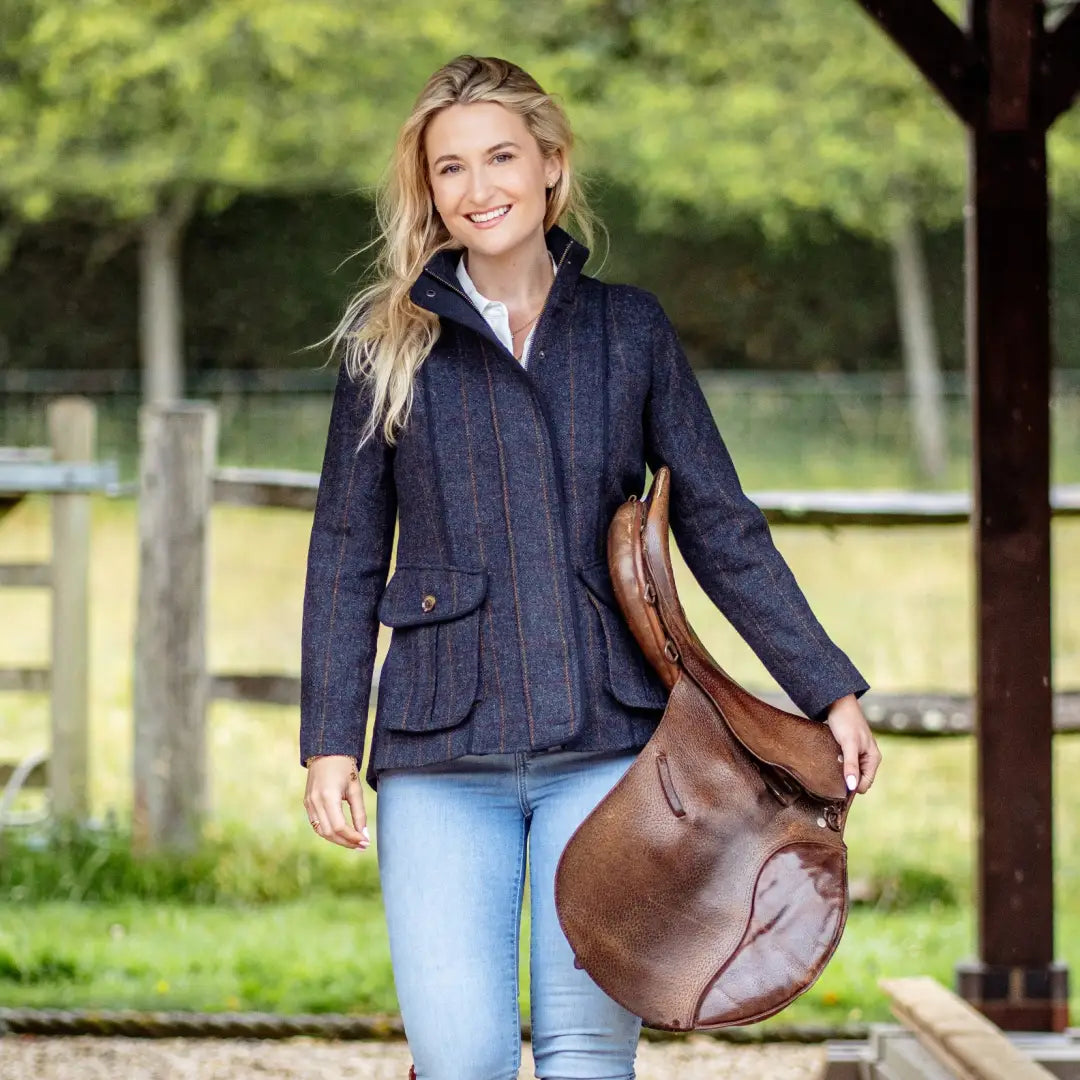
<point x="315" y="825"/>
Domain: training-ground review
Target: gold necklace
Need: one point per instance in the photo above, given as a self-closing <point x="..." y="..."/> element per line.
<point x="514" y="333"/>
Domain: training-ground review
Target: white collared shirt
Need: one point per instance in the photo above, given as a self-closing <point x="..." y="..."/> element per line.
<point x="495" y="312"/>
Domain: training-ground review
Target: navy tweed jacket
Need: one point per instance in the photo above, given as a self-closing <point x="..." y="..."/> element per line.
<point x="506" y="635"/>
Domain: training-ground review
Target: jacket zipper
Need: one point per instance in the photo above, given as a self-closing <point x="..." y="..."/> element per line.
<point x="550" y="430"/>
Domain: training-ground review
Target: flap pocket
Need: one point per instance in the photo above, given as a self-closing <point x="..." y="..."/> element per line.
<point x="418" y="595"/>
<point x="598" y="578"/>
<point x="630" y="676"/>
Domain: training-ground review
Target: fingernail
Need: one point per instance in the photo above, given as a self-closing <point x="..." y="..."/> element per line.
<point x="851" y="782"/>
<point x="364" y="833"/>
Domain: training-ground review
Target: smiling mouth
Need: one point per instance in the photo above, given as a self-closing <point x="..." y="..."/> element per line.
<point x="489" y="215"/>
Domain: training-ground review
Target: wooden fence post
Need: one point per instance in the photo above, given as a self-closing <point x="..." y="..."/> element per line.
<point x="72" y="431"/>
<point x="177" y="455"/>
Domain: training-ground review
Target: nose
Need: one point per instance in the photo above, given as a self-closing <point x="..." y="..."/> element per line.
<point x="480" y="188"/>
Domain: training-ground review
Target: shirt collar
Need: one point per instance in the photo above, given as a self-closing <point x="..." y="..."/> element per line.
<point x="474" y="294"/>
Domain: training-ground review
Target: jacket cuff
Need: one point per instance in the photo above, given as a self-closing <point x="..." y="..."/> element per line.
<point x="331" y="744"/>
<point x="818" y="704"/>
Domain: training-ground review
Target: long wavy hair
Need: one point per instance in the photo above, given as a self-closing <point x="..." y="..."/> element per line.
<point x="385" y="336"/>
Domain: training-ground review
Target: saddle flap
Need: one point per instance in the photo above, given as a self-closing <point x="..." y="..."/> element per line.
<point x="644" y="584"/>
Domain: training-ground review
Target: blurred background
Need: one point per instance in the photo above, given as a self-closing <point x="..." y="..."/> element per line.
<point x="184" y="187"/>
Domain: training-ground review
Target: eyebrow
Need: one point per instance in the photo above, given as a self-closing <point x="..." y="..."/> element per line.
<point x="490" y="150"/>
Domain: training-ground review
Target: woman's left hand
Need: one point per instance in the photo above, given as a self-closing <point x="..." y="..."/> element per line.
<point x="857" y="743"/>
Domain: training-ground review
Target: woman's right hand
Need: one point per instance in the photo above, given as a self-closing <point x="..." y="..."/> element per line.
<point x="333" y="780"/>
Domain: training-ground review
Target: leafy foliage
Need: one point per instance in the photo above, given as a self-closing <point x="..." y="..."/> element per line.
<point x="763" y="110"/>
<point x="117" y="103"/>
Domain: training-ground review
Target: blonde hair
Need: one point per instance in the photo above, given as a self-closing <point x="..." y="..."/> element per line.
<point x="385" y="335"/>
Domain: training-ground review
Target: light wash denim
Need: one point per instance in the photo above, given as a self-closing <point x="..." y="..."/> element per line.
<point x="452" y="841"/>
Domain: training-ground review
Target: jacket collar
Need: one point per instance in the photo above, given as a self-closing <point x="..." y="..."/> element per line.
<point x="437" y="288"/>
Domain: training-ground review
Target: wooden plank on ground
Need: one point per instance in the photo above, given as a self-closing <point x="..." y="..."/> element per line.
<point x="961" y="1038"/>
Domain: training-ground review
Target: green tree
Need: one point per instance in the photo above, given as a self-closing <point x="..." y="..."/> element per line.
<point x="136" y="113"/>
<point x="763" y="110"/>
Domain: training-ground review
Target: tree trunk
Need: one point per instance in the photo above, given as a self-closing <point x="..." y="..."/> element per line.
<point x="922" y="368"/>
<point x="161" y="329"/>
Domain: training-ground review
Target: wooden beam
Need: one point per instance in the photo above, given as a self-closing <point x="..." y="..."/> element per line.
<point x="929" y="714"/>
<point x="25" y="575"/>
<point x="177" y="449"/>
<point x="1009" y="358"/>
<point x="73" y="432"/>
<point x="886" y="508"/>
<point x="265" y="689"/>
<point x="27" y="680"/>
<point x="284" y="488"/>
<point x="1014" y="38"/>
<point x="19" y="478"/>
<point x="937" y="47"/>
<point x="962" y="1040"/>
<point x="1062" y="66"/>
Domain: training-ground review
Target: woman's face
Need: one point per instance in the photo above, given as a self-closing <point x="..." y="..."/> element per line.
<point x="488" y="176"/>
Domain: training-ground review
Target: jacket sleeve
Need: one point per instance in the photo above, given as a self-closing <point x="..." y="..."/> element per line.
<point x="348" y="560"/>
<point x="725" y="539"/>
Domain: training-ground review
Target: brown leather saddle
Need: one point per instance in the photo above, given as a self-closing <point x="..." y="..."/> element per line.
<point x="709" y="887"/>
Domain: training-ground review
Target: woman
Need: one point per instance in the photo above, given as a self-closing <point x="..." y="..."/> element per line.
<point x="500" y="404"/>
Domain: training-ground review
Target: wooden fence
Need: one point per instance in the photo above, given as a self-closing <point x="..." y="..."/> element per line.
<point x="179" y="482"/>
<point x="68" y="473"/>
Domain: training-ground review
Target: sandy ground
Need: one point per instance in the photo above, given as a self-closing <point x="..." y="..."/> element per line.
<point x="24" y="1057"/>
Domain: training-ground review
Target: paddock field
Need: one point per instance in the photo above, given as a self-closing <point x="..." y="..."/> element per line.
<point x="898" y="600"/>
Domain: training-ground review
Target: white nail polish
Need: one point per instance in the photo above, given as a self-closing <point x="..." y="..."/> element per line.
<point x="851" y="782"/>
<point x="364" y="833"/>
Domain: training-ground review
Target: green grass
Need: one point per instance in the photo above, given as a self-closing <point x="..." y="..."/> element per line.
<point x="287" y="922"/>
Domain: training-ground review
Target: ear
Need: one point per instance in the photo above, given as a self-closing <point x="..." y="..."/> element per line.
<point x="553" y="169"/>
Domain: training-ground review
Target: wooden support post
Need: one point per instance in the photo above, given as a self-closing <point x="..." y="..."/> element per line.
<point x="72" y="431"/>
<point x="1015" y="983"/>
<point x="177" y="450"/>
<point x="1061" y="84"/>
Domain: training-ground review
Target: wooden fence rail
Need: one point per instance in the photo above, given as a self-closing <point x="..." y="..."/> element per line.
<point x="297" y="491"/>
<point x="179" y="481"/>
<point x="896" y="714"/>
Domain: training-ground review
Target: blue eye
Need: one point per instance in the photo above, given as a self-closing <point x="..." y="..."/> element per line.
<point x="504" y="154"/>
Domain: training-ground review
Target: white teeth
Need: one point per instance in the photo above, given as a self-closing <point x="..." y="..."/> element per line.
<point x="489" y="215"/>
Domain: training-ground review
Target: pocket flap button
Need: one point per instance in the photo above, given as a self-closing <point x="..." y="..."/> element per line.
<point x="428" y="602"/>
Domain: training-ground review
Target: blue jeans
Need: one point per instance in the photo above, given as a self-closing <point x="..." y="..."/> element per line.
<point x="451" y="847"/>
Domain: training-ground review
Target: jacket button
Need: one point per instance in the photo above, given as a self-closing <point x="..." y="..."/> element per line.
<point x="428" y="602"/>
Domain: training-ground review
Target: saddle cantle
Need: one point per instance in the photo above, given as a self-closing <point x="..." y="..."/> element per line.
<point x="709" y="887"/>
